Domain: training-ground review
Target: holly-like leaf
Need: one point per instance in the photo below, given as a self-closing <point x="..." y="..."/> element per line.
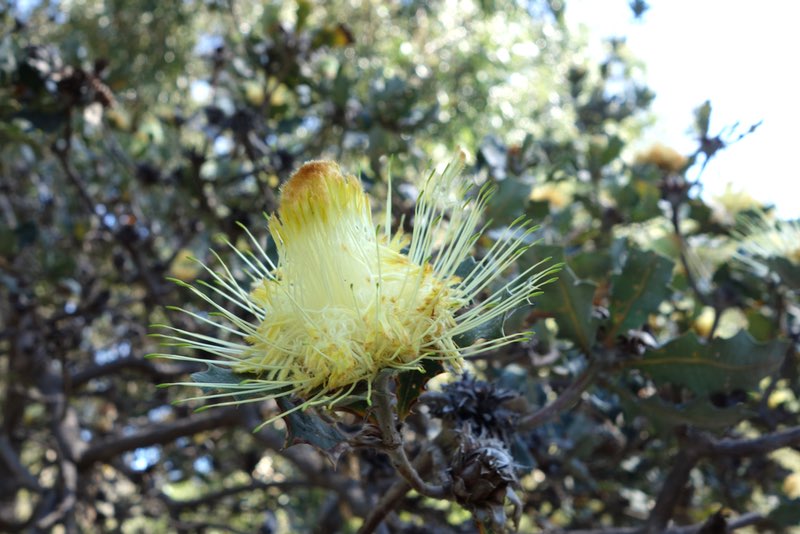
<point x="489" y="330"/>
<point x="698" y="413"/>
<point x="509" y="201"/>
<point x="411" y="384"/>
<point x="638" y="290"/>
<point x="568" y="300"/>
<point x="723" y="365"/>
<point x="216" y="378"/>
<point x="308" y="427"/>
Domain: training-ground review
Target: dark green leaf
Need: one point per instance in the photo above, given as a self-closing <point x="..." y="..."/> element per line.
<point x="521" y="453"/>
<point x="308" y="427"/>
<point x="593" y="265"/>
<point x="612" y="150"/>
<point x="568" y="300"/>
<point x="509" y="201"/>
<point x="488" y="330"/>
<point x="723" y="365"/>
<point x="215" y="378"/>
<point x="45" y="120"/>
<point x="761" y="327"/>
<point x="8" y="241"/>
<point x="538" y="209"/>
<point x="465" y="267"/>
<point x="698" y="413"/>
<point x="788" y="272"/>
<point x="786" y="514"/>
<point x="411" y="384"/>
<point x="216" y="375"/>
<point x="638" y="290"/>
<point x="27" y="233"/>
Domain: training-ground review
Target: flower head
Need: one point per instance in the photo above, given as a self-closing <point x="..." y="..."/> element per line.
<point x="665" y="158"/>
<point x="347" y="299"/>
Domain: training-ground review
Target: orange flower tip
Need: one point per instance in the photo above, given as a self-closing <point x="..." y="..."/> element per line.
<point x="309" y="179"/>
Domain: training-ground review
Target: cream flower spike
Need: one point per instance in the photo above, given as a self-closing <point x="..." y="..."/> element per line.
<point x="347" y="300"/>
<point x="768" y="238"/>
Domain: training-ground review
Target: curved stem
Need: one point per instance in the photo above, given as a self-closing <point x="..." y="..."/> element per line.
<point x="393" y="442"/>
<point x="393" y="496"/>
<point x="567" y="399"/>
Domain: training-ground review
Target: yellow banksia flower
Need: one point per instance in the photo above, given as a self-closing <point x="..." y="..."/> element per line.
<point x="347" y="299"/>
<point x="559" y="195"/>
<point x="665" y="158"/>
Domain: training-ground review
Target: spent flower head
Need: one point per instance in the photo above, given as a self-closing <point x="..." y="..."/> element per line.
<point x="347" y="299"/>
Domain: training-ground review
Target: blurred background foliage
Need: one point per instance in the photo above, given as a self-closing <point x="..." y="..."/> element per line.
<point x="134" y="134"/>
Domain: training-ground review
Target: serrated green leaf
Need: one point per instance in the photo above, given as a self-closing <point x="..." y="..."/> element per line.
<point x="698" y="413"/>
<point x="308" y="427"/>
<point x="411" y="384"/>
<point x="216" y="375"/>
<point x="592" y="265"/>
<point x="723" y="365"/>
<point x="466" y="267"/>
<point x="489" y="330"/>
<point x="216" y="378"/>
<point x="638" y="290"/>
<point x="568" y="300"/>
<point x="509" y="201"/>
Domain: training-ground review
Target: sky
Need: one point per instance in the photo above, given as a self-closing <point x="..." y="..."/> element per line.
<point x="739" y="55"/>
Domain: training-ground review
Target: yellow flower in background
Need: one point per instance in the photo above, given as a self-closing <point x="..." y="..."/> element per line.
<point x="183" y="267"/>
<point x="665" y="158"/>
<point x="791" y="485"/>
<point x="557" y="194"/>
<point x="348" y="299"/>
<point x="729" y="204"/>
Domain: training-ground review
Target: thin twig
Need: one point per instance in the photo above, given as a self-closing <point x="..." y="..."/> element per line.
<point x="567" y="399"/>
<point x="157" y="434"/>
<point x="392" y="497"/>
<point x="12" y="462"/>
<point x="672" y="490"/>
<point x="753" y="446"/>
<point x="215" y="497"/>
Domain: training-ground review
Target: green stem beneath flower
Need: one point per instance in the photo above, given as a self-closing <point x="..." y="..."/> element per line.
<point x="393" y="442"/>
